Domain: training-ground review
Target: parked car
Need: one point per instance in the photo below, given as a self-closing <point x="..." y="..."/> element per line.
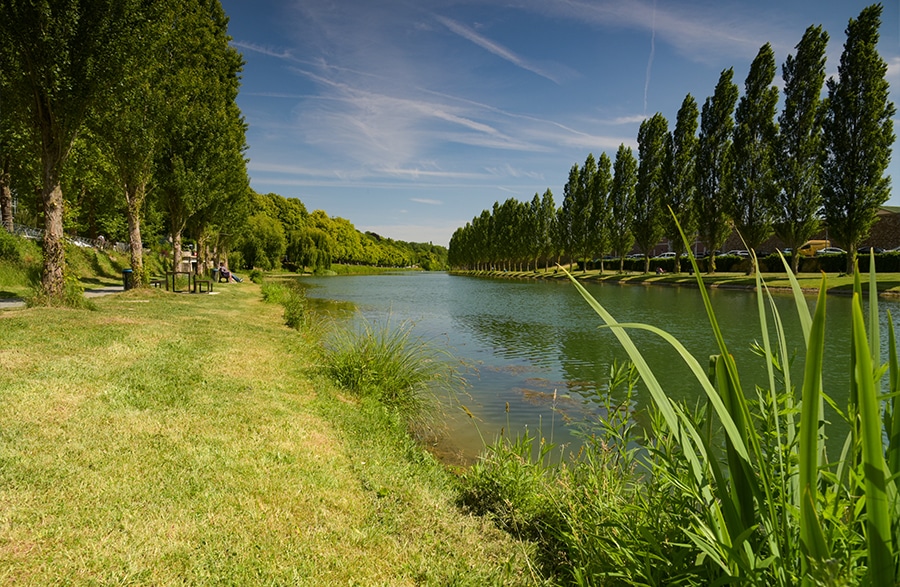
<point x="738" y="253"/>
<point x="831" y="251"/>
<point x="866" y="250"/>
<point x="666" y="255"/>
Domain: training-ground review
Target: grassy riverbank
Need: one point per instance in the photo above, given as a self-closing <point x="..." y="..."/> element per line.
<point x="169" y="439"/>
<point x="888" y="283"/>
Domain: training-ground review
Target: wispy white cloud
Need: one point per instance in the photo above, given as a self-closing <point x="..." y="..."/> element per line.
<point x="893" y="71"/>
<point x="496" y="49"/>
<point x="427" y="201"/>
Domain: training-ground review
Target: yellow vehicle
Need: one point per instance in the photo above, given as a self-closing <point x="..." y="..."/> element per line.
<point x="809" y="248"/>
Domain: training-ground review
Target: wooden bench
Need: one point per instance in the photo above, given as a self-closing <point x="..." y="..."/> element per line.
<point x="157" y="282"/>
<point x="199" y="283"/>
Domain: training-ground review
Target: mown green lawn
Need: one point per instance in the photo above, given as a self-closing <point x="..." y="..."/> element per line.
<point x="175" y="439"/>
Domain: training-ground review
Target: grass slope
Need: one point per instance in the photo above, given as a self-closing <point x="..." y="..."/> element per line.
<point x="178" y="439"/>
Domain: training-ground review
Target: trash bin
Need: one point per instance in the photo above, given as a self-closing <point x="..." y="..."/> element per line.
<point x="127" y="279"/>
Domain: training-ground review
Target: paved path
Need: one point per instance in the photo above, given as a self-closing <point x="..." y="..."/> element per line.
<point x="12" y="303"/>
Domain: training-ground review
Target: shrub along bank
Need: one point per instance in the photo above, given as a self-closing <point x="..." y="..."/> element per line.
<point x="736" y="490"/>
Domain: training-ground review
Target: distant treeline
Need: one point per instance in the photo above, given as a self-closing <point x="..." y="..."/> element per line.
<point x="823" y="161"/>
<point x="280" y="233"/>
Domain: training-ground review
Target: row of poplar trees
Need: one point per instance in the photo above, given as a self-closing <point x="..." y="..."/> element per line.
<point x="152" y="86"/>
<point x="824" y="160"/>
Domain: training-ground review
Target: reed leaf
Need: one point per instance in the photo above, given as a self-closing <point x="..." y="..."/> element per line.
<point x="808" y="449"/>
<point x="894" y="422"/>
<point x="876" y="475"/>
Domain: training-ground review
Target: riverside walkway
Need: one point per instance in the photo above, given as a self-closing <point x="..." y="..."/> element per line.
<point x="14" y="303"/>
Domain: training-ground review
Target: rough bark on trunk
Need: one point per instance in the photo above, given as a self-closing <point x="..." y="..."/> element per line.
<point x="52" y="279"/>
<point x="135" y="197"/>
<point x="6" y="214"/>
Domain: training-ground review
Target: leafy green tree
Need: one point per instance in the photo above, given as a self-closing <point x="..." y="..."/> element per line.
<point x="93" y="204"/>
<point x="264" y="243"/>
<point x="649" y="196"/>
<point x="599" y="225"/>
<point x="752" y="205"/>
<point x="128" y="128"/>
<point x="680" y="178"/>
<point x="621" y="203"/>
<point x="309" y="249"/>
<point x="715" y="165"/>
<point x="66" y="54"/>
<point x="568" y="215"/>
<point x="547" y="226"/>
<point x="799" y="160"/>
<point x="858" y="134"/>
<point x="536" y="229"/>
<point x="201" y="159"/>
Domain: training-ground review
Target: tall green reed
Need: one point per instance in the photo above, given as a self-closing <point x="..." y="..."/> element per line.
<point x="775" y="509"/>
<point x="387" y="362"/>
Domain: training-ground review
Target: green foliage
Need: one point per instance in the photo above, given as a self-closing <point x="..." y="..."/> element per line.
<point x="621" y="202"/>
<point x="263" y="244"/>
<point x="799" y="160"/>
<point x="72" y="297"/>
<point x="649" y="210"/>
<point x="388" y="363"/>
<point x="679" y="175"/>
<point x="752" y="205"/>
<point x="715" y="164"/>
<point x="858" y="135"/>
<point x="741" y="489"/>
<point x="10" y="247"/>
<point x="291" y="296"/>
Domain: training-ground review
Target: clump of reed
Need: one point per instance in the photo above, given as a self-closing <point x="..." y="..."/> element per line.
<point x="385" y="361"/>
<point x="292" y="297"/>
<point x="739" y="489"/>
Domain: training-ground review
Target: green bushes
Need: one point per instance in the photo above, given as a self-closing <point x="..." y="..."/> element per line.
<point x="387" y="362"/>
<point x="291" y="296"/>
<point x="740" y="490"/>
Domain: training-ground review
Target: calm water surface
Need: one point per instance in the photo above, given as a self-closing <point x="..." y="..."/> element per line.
<point x="525" y="342"/>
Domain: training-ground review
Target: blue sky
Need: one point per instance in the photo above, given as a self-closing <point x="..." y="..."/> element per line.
<point x="409" y="117"/>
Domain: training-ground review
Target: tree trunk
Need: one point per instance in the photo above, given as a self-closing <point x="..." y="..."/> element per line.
<point x="52" y="278"/>
<point x="712" y="262"/>
<point x="851" y="258"/>
<point x="135" y="198"/>
<point x="795" y="261"/>
<point x="6" y="213"/>
<point x="677" y="262"/>
<point x="646" y="263"/>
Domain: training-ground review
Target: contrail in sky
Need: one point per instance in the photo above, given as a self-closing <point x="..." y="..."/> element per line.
<point x="650" y="60"/>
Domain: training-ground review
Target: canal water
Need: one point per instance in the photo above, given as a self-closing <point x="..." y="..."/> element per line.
<point x="535" y="357"/>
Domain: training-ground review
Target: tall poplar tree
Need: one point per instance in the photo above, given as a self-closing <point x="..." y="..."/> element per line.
<point x="600" y="207"/>
<point x="547" y="226"/>
<point x="715" y="165"/>
<point x="799" y="160"/>
<point x="858" y="134"/>
<point x="621" y="203"/>
<point x="649" y="196"/>
<point x="752" y="205"/>
<point x="65" y="55"/>
<point x="680" y="178"/>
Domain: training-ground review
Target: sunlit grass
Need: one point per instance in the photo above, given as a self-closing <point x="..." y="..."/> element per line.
<point x="172" y="439"/>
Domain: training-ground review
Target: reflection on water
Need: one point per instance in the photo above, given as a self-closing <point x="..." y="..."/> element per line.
<point x="538" y="348"/>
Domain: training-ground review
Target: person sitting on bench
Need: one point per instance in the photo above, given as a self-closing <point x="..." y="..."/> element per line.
<point x="225" y="274"/>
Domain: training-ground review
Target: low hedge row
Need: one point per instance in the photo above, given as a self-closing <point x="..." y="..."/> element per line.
<point x="888" y="262"/>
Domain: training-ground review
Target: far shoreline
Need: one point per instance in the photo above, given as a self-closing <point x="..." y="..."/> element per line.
<point x="837" y="283"/>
